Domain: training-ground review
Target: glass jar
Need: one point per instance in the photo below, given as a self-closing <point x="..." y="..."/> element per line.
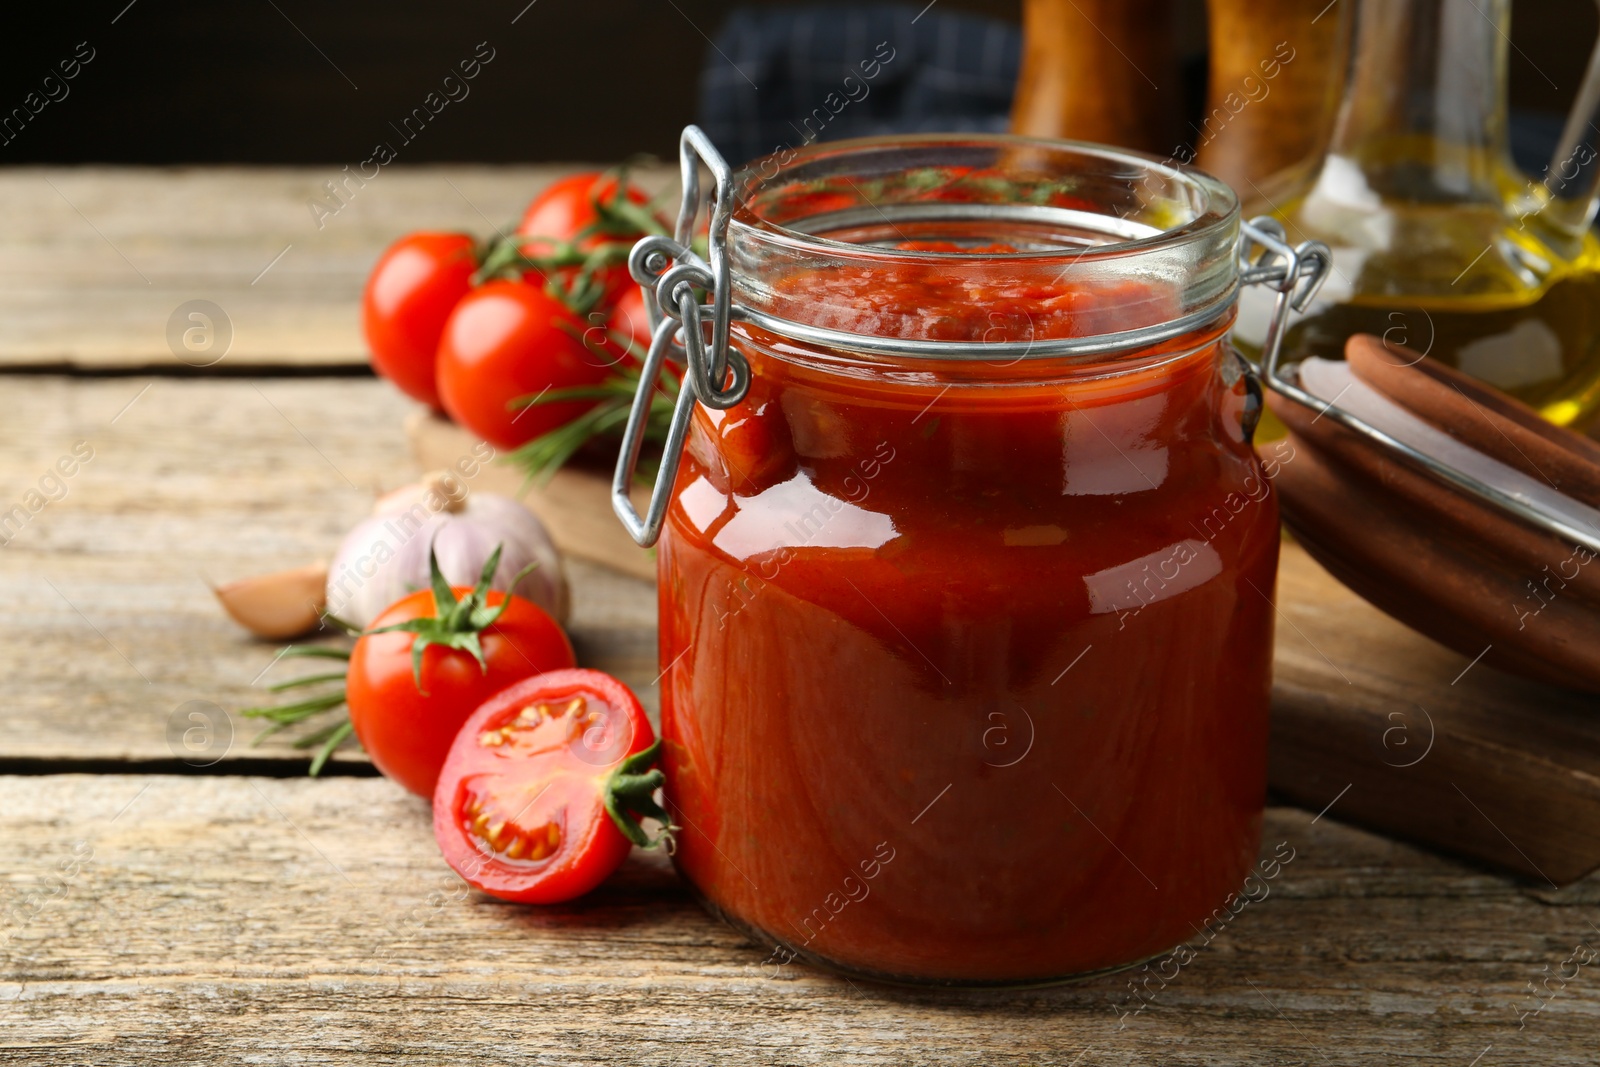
<point x="966" y="593"/>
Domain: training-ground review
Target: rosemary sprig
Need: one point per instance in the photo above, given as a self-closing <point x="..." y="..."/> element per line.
<point x="282" y="716"/>
<point x="322" y="651"/>
<point x="540" y="458"/>
<point x="329" y="738"/>
<point x="310" y="679"/>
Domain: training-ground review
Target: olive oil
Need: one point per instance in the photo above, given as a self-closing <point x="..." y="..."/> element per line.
<point x="1518" y="316"/>
<point x="1440" y="245"/>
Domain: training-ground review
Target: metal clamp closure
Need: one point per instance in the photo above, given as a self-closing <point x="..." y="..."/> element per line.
<point x="673" y="277"/>
<point x="1296" y="272"/>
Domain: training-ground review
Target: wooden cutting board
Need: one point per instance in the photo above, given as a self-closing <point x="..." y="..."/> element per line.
<point x="1371" y="722"/>
<point x="1397" y="733"/>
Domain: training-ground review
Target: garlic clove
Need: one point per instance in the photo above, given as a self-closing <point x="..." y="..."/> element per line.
<point x="277" y="606"/>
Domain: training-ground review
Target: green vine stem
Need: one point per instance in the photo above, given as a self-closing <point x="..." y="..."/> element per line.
<point x="455" y="623"/>
<point x="630" y="794"/>
<point x="619" y="222"/>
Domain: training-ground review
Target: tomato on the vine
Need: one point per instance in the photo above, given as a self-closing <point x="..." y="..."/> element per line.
<point x="540" y="797"/>
<point x="592" y="210"/>
<point x="413" y="288"/>
<point x="573" y="204"/>
<point x="431" y="659"/>
<point x="507" y="341"/>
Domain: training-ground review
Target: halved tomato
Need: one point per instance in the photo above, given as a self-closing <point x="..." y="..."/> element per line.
<point x="540" y="795"/>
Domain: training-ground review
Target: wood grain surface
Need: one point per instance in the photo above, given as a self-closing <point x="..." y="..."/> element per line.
<point x="1425" y="743"/>
<point x="109" y="628"/>
<point x="113" y="633"/>
<point x="96" y="261"/>
<point x="159" y="919"/>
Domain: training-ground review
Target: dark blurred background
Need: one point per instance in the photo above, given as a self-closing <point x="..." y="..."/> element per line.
<point x="287" y="81"/>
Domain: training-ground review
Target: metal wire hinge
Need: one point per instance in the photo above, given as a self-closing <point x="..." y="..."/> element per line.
<point x="673" y="278"/>
<point x="1295" y="272"/>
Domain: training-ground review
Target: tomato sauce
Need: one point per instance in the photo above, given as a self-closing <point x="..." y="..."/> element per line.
<point x="968" y="664"/>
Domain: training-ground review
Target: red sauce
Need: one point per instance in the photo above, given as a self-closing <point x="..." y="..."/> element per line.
<point x="968" y="674"/>
<point x="963" y="301"/>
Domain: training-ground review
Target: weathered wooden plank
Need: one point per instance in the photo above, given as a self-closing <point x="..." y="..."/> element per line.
<point x="108" y="625"/>
<point x="96" y="260"/>
<point x="110" y="629"/>
<point x="151" y="919"/>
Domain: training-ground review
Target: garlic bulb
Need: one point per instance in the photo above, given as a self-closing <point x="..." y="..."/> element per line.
<point x="386" y="556"/>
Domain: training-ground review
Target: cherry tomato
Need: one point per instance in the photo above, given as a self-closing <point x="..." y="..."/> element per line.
<point x="407" y="728"/>
<point x="508" y="340"/>
<point x="409" y="295"/>
<point x="630" y="318"/>
<point x="571" y="205"/>
<point x="538" y="785"/>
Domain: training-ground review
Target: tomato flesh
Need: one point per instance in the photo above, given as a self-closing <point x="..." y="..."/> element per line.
<point x="519" y="811"/>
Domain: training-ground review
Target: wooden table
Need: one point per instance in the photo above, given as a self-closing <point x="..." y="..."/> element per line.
<point x="152" y="911"/>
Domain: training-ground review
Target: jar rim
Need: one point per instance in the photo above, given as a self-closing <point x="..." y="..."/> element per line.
<point x="1221" y="203"/>
<point x="1142" y="217"/>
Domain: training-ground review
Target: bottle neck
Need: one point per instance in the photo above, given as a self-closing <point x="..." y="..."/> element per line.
<point x="1424" y="117"/>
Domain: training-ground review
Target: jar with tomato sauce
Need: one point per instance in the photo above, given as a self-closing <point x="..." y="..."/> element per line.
<point x="966" y="562"/>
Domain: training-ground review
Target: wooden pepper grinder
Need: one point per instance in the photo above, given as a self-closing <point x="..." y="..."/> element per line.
<point x="1099" y="70"/>
<point x="1277" y="74"/>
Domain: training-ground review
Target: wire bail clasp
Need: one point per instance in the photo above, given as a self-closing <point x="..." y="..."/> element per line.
<point x="1296" y="272"/>
<point x="673" y="278"/>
